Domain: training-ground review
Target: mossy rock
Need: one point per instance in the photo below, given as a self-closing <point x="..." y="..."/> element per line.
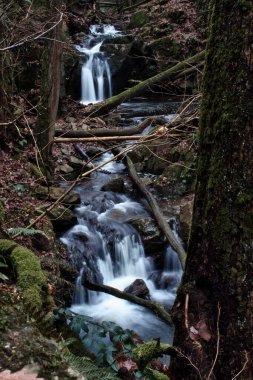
<point x="6" y="246"/>
<point x="31" y="279"/>
<point x="155" y="375"/>
<point x="138" y="19"/>
<point x="166" y="46"/>
<point x="32" y="299"/>
<point x="37" y="172"/>
<point x="145" y="352"/>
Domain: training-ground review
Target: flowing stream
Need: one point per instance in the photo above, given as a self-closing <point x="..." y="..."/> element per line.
<point x="104" y="245"/>
<point x="96" y="84"/>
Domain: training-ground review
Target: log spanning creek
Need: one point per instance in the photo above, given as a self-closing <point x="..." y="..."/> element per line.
<point x="107" y="248"/>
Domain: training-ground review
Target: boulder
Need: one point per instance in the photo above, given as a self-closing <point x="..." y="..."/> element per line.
<point x="57" y="192"/>
<point x="150" y="234"/>
<point x="116" y="185"/>
<point x="139" y="289"/>
<point x="66" y="169"/>
<point x="62" y="218"/>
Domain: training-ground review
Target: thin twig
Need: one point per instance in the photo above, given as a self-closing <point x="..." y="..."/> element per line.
<point x="32" y="37"/>
<point x="244" y="365"/>
<point x="218" y="341"/>
<point x="186" y="306"/>
<point x="189" y="360"/>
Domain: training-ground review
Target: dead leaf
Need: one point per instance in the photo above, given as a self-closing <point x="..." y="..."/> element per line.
<point x="203" y="330"/>
<point x="193" y="333"/>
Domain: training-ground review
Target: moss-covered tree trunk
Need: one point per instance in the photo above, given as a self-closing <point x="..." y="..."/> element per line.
<point x="49" y="89"/>
<point x="214" y="306"/>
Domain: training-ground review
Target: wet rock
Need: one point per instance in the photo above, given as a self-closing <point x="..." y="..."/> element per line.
<point x="139" y="289"/>
<point x="57" y="192"/>
<point x="75" y="163"/>
<point x="66" y="169"/>
<point x="163" y="281"/>
<point x="93" y="151"/>
<point x="116" y="185"/>
<point x="62" y="219"/>
<point x="41" y="242"/>
<point x="93" y="276"/>
<point x="117" y="53"/>
<point x="150" y="234"/>
<point x="138" y="19"/>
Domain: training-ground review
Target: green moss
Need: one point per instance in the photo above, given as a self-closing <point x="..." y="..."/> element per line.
<point x="2" y="213"/>
<point x="157" y="375"/>
<point x="6" y="246"/>
<point x="167" y="46"/>
<point x="32" y="299"/>
<point x="31" y="279"/>
<point x="145" y="352"/>
<point x="25" y="260"/>
<point x="138" y="19"/>
<point x="36" y="171"/>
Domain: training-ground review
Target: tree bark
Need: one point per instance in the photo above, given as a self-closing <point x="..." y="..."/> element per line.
<point x="155" y="308"/>
<point x="49" y="92"/>
<point x="165" y="228"/>
<point x="218" y="275"/>
<point x="107" y="105"/>
<point x="102" y="132"/>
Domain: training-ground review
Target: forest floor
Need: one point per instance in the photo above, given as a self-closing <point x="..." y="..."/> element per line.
<point x="21" y="201"/>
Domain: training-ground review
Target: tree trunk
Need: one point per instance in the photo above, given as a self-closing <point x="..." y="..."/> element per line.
<point x="217" y="290"/>
<point x="50" y="91"/>
<point x="107" y="105"/>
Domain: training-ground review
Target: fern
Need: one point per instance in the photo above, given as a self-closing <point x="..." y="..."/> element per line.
<point x="24" y="231"/>
<point x="87" y="367"/>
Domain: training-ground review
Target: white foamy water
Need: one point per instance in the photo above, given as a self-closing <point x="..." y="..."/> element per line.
<point x="96" y="82"/>
<point x="107" y="249"/>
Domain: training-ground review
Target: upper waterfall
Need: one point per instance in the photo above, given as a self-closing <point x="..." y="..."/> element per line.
<point x="96" y="83"/>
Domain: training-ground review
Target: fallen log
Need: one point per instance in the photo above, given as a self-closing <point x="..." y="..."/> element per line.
<point x="155" y="308"/>
<point x="101" y="139"/>
<point x="107" y="105"/>
<point x="101" y="132"/>
<point x="165" y="228"/>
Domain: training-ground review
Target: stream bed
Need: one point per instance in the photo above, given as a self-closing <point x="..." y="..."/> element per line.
<point x="104" y="245"/>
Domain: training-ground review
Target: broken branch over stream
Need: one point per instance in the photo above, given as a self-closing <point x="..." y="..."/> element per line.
<point x="107" y="105"/>
<point x="102" y="132"/>
<point x="164" y="226"/>
<point x="155" y="308"/>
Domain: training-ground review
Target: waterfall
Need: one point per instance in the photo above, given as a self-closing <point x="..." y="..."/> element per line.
<point x="108" y="249"/>
<point x="96" y="83"/>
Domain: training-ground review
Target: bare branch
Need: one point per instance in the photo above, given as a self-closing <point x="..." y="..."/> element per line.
<point x="33" y="37"/>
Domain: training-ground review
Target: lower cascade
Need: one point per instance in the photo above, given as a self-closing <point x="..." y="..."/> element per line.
<point x="105" y="247"/>
<point x="96" y="82"/>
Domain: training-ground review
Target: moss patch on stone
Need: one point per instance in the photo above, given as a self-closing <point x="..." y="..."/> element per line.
<point x="6" y="246"/>
<point x="157" y="375"/>
<point x="138" y="19"/>
<point x="145" y="352"/>
<point x="30" y="277"/>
